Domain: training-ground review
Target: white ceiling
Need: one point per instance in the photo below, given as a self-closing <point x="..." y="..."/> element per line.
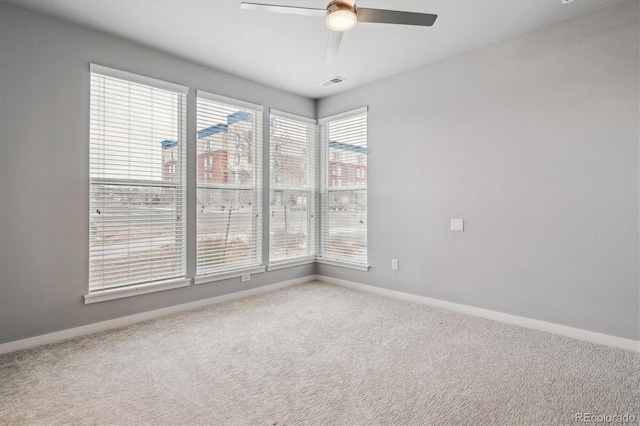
<point x="287" y="51"/>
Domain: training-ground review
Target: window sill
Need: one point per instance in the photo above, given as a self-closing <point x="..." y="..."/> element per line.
<point x="135" y="290"/>
<point x="356" y="266"/>
<point x="203" y="279"/>
<point x="290" y="264"/>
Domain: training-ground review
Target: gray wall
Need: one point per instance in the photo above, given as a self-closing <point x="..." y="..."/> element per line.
<point x="44" y="187"/>
<point x="534" y="142"/>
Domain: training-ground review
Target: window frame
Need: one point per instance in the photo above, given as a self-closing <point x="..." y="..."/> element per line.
<point x="326" y="189"/>
<point x="317" y="191"/>
<point x="134" y="287"/>
<point x="209" y="275"/>
<point x="311" y="187"/>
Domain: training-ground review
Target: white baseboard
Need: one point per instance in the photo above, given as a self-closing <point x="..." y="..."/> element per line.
<point x="144" y="316"/>
<point x="576" y="333"/>
<point x="563" y="330"/>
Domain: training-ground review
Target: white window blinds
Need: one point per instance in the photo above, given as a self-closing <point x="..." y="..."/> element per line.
<point x="229" y="177"/>
<point x="343" y="212"/>
<point x="137" y="180"/>
<point x="293" y="197"/>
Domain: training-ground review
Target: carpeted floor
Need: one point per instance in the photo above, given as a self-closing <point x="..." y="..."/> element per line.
<point x="317" y="354"/>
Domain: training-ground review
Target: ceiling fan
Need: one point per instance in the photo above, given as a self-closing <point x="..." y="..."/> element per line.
<point x="343" y="15"/>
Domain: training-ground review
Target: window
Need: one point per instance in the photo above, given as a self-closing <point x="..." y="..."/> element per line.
<point x="343" y="229"/>
<point x="293" y="196"/>
<point x="208" y="162"/>
<point x="137" y="200"/>
<point x="229" y="226"/>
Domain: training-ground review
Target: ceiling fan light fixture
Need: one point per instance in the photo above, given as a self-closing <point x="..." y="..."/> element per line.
<point x="341" y="17"/>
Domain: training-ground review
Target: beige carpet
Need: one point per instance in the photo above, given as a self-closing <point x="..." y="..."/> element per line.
<point x="317" y="354"/>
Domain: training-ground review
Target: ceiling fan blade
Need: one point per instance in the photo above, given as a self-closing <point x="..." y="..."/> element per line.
<point x="333" y="44"/>
<point x="290" y="10"/>
<point x="395" y="17"/>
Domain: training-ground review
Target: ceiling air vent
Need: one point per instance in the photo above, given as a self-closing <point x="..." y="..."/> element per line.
<point x="332" y="81"/>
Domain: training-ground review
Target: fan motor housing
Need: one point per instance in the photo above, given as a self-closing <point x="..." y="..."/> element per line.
<point x="336" y="5"/>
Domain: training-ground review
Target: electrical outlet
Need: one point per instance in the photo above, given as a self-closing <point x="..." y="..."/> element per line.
<point x="246" y="278"/>
<point x="394" y="264"/>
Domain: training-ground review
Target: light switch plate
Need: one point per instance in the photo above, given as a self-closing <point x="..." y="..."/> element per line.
<point x="457" y="225"/>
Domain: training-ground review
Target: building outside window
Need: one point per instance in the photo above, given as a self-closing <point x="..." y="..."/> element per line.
<point x="208" y="162"/>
